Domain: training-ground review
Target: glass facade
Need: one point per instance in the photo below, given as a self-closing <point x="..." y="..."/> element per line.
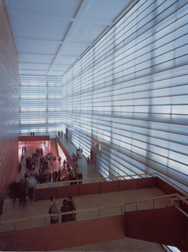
<point x="40" y="105"/>
<point x="127" y="98"/>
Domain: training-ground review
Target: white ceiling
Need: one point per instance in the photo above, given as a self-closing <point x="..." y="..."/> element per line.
<point x="50" y="35"/>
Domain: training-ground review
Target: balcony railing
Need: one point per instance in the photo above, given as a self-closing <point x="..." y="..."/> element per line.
<point x="43" y="220"/>
<point x="104" y="179"/>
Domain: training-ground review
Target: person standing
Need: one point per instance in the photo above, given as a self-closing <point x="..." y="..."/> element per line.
<point x="1" y="204"/>
<point x="52" y="200"/>
<point x="54" y="175"/>
<point x="80" y="177"/>
<point x="72" y="207"/>
<point x="54" y="210"/>
<point x="65" y="208"/>
<point x="20" y="167"/>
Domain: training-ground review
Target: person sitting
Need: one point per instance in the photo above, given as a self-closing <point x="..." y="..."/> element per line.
<point x="65" y="208"/>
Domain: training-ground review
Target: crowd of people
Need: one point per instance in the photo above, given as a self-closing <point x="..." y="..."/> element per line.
<point x="42" y="169"/>
<point x="46" y="175"/>
<point x="48" y="171"/>
<point x="68" y="206"/>
<point x="30" y="161"/>
<point x="43" y="175"/>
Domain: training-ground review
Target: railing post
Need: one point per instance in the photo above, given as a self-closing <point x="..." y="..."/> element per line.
<point x="136" y="206"/>
<point x="153" y="204"/>
<point x="79" y="189"/>
<point x="99" y="213"/>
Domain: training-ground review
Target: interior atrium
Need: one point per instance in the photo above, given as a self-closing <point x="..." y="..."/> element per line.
<point x="112" y="75"/>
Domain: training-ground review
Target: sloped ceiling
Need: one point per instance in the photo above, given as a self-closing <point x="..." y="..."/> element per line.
<point x="50" y="35"/>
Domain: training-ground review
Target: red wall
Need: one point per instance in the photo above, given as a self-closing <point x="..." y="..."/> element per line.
<point x="65" y="235"/>
<point x="34" y="138"/>
<point x="93" y="188"/>
<point x="166" y="226"/>
<point x="9" y="101"/>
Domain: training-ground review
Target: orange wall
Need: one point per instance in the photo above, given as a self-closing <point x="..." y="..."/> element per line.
<point x="9" y="101"/>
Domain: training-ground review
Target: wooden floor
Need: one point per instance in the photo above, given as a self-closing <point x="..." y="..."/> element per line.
<point x="87" y="202"/>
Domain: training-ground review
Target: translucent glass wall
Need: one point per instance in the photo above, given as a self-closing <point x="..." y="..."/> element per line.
<point x="40" y="105"/>
<point x="127" y="98"/>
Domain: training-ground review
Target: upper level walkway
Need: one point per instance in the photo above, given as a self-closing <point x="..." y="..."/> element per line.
<point x="82" y="203"/>
<point x="113" y="222"/>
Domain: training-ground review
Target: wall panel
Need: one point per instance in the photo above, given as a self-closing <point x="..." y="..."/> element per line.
<point x="9" y="101"/>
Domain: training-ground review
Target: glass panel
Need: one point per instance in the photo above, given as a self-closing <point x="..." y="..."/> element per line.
<point x="126" y="98"/>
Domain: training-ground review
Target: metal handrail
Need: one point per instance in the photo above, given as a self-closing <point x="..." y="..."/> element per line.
<point x="157" y="174"/>
<point x="173" y="197"/>
<point x="37" y="186"/>
<point x="83" y="180"/>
